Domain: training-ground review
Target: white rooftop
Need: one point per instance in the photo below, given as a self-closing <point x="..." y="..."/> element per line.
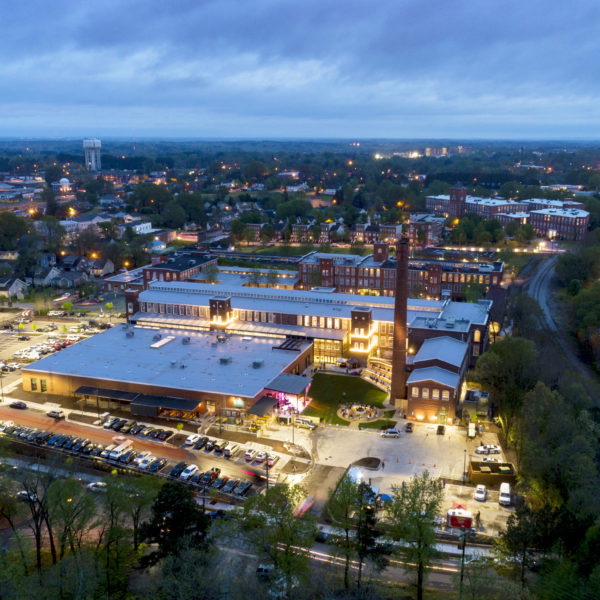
<point x="571" y="213"/>
<point x="436" y="374"/>
<point x="444" y="348"/>
<point x="113" y="356"/>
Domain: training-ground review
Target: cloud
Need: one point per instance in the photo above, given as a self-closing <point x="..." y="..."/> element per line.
<point x="343" y="68"/>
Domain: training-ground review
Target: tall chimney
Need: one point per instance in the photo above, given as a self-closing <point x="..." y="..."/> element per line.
<point x="398" y="391"/>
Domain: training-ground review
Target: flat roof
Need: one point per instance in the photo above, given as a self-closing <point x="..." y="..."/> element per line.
<point x="289" y="384"/>
<point x="436" y="374"/>
<point x="202" y="365"/>
<point x="262" y="406"/>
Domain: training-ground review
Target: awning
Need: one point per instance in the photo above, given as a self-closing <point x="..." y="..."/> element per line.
<point x="168" y="402"/>
<point x="105" y="393"/>
<point x="263" y="406"/>
<point x="289" y="384"/>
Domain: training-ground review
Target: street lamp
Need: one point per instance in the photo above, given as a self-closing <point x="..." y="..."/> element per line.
<point x="465" y="466"/>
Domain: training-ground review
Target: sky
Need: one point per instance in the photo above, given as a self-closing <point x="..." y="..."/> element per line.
<point x="462" y="69"/>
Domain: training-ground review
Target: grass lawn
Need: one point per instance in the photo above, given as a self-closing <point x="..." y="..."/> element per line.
<point x="379" y="424"/>
<point x="327" y="393"/>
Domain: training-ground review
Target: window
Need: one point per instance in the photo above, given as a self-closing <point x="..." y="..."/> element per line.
<point x="33" y="382"/>
<point x="435" y="394"/>
<point x="43" y="387"/>
<point x="425" y="393"/>
<point x="445" y="395"/>
<point x="477" y="336"/>
<point x="415" y="392"/>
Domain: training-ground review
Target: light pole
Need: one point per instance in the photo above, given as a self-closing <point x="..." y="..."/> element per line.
<point x="465" y="466"/>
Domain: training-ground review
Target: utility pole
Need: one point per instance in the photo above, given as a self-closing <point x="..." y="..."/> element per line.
<point x="465" y="466"/>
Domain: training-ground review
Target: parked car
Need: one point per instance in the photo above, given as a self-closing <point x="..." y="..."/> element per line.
<point x="243" y="488"/>
<point x="136" y="429"/>
<point x="220" y="448"/>
<point x="250" y="455"/>
<point x="230" y="486"/>
<point x="218" y="483"/>
<point x="231" y="450"/>
<point x="56" y="414"/>
<point x="164" y="435"/>
<point x="26" y="496"/>
<point x="18" y="404"/>
<point x="188" y="472"/>
<point x="272" y="459"/>
<point x="156" y="465"/>
<point x="481" y="493"/>
<point x="441" y="429"/>
<point x="488" y="449"/>
<point x="210" y="444"/>
<point x="260" y="457"/>
<point x="391" y="433"/>
<point x="127" y="427"/>
<point x="145" y="462"/>
<point x="209" y="477"/>
<point x="177" y="469"/>
<point x="192" y="439"/>
<point x="106" y="452"/>
<point x="128" y="457"/>
<point x="141" y="456"/>
<point x="489" y="459"/>
<point x="200" y="443"/>
<point x="408" y="428"/>
<point x="98" y="449"/>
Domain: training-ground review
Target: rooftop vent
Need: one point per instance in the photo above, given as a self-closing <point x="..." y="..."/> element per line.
<point x="157" y="336"/>
<point x="225" y="360"/>
<point x="186" y="340"/>
<point x="257" y="364"/>
<point x="450" y="324"/>
<point x="129" y="333"/>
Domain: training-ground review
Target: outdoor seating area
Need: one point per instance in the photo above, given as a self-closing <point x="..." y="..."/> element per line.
<point x="359" y="412"/>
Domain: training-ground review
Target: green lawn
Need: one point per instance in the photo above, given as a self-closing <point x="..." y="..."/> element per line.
<point x="327" y="393"/>
<point x="379" y="424"/>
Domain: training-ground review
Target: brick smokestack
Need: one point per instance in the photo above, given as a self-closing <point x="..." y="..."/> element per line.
<point x="398" y="391"/>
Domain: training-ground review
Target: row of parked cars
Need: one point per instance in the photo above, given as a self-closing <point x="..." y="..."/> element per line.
<point x="83" y="446"/>
<point x="134" y="428"/>
<point x="211" y="479"/>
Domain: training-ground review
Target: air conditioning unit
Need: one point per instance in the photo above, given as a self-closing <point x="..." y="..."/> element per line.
<point x="186" y="340"/>
<point x="129" y="333"/>
<point x="157" y="336"/>
<point x="257" y="364"/>
<point x="225" y="360"/>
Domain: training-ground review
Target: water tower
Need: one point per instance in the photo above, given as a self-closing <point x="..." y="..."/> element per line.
<point x="91" y="150"/>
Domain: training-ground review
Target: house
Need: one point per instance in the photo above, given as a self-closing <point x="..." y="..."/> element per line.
<point x="70" y="279"/>
<point x="12" y="288"/>
<point x="73" y="263"/>
<point x="138" y="227"/>
<point x="100" y="267"/>
<point x="44" y="276"/>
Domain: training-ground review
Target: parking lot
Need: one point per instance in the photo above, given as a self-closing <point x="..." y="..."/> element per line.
<point x="443" y="456"/>
<point x="228" y="478"/>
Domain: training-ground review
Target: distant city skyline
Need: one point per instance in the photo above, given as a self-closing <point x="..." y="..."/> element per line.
<point x="323" y="69"/>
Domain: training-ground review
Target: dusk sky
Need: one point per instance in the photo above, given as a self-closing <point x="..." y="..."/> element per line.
<point x="315" y="68"/>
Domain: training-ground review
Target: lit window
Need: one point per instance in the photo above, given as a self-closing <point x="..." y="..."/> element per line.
<point x="415" y="392"/>
<point x="445" y="395"/>
<point x="425" y="393"/>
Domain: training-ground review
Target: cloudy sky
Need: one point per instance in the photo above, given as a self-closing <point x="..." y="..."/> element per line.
<point x="309" y="68"/>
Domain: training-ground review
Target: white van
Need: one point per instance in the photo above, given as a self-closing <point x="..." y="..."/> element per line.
<point x="505" y="496"/>
<point x="120" y="450"/>
<point x="471" y="432"/>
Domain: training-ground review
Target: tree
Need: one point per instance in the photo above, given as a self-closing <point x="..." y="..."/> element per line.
<point x="271" y="278"/>
<point x="52" y="173"/>
<point x="340" y="508"/>
<point x="266" y="233"/>
<point x="67" y="306"/>
<point x="5" y="270"/>
<point x="53" y="232"/>
<point x="525" y="233"/>
<point x="12" y="228"/>
<point x="273" y="528"/>
<point x="211" y="272"/>
<point x="508" y="371"/>
<point x="254" y="277"/>
<point x="474" y="291"/>
<point x="412" y="516"/>
<point x="142" y="497"/>
<point x="49" y="197"/>
<point x="173" y="215"/>
<point x="175" y="516"/>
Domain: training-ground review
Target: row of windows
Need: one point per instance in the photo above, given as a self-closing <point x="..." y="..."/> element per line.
<point x="435" y="393"/>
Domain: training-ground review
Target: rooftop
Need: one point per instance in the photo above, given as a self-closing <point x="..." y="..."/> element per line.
<point x="562" y="212"/>
<point x="182" y="262"/>
<point x="436" y="374"/>
<point x="202" y="365"/>
<point x="444" y="348"/>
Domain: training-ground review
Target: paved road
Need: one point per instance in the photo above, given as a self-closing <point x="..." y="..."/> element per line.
<point x="539" y="286"/>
